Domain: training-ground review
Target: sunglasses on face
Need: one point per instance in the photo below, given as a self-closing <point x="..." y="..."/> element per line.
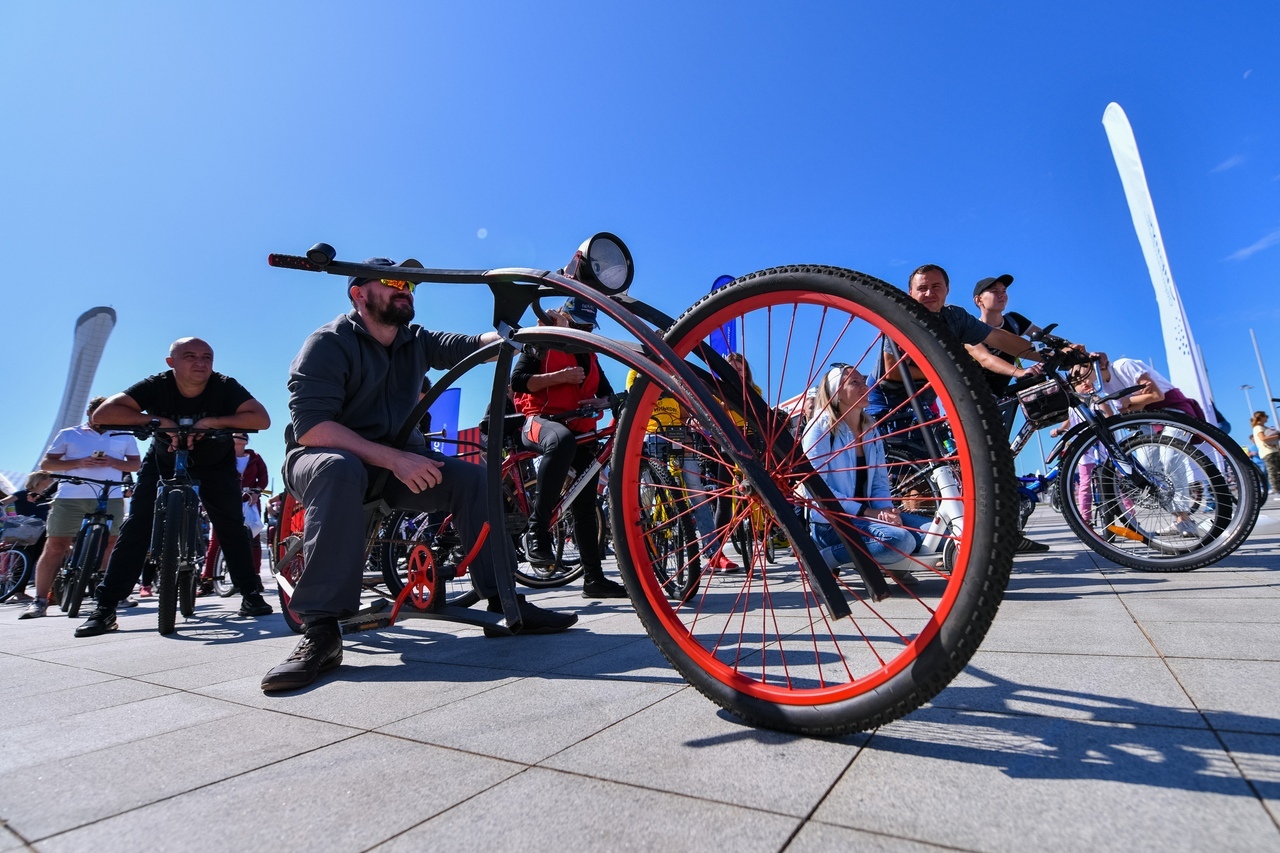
<point x="400" y="285"/>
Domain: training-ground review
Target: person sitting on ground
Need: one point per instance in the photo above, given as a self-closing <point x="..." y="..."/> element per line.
<point x="550" y="382"/>
<point x="189" y="391"/>
<point x="352" y="386"/>
<point x="845" y="448"/>
<point x="81" y="451"/>
<point x="253" y="477"/>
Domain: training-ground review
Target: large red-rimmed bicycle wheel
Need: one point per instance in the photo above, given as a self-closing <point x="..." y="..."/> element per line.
<point x="756" y="641"/>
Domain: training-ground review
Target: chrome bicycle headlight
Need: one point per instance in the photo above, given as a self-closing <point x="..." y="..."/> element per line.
<point x="602" y="262"/>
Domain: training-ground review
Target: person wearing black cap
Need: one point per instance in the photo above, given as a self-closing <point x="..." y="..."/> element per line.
<point x="553" y="382"/>
<point x="991" y="297"/>
<point x="351" y="387"/>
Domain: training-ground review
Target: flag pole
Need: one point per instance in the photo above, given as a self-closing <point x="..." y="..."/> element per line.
<point x="1266" y="386"/>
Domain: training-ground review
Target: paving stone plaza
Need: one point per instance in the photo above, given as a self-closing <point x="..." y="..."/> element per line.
<point x="1106" y="710"/>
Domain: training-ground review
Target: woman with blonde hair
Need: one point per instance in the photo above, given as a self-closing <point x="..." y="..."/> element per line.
<point x="846" y="450"/>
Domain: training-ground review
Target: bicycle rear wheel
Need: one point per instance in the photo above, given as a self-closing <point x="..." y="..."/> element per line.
<point x="1191" y="502"/>
<point x="167" y="566"/>
<point x="13" y="571"/>
<point x="670" y="538"/>
<point x="286" y="558"/>
<point x="568" y="565"/>
<point x="222" y="583"/>
<point x="757" y="643"/>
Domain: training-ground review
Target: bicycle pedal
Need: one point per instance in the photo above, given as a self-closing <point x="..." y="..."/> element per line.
<point x="1127" y="533"/>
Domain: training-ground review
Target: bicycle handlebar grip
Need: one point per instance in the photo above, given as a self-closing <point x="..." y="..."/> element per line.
<point x="292" y="262"/>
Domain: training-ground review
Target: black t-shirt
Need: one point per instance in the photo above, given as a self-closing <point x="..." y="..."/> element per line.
<point x="1016" y="324"/>
<point x="159" y="395"/>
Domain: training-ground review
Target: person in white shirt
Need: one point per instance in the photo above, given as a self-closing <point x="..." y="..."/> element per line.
<point x="80" y="451"/>
<point x="1155" y="392"/>
<point x="846" y="450"/>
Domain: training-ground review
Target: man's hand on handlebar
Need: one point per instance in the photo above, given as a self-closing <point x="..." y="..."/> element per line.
<point x="417" y="472"/>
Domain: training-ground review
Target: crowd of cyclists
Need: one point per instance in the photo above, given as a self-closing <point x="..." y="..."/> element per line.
<point x="357" y="378"/>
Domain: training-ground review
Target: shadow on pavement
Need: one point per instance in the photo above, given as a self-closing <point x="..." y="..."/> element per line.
<point x="1188" y="756"/>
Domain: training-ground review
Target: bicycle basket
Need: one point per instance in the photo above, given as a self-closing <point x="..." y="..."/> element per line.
<point x="1044" y="404"/>
<point x="677" y="438"/>
<point x="22" y="530"/>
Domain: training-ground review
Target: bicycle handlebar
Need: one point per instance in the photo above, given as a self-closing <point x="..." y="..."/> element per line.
<point x="616" y="401"/>
<point x="1057" y="351"/>
<point x="126" y="480"/>
<point x="153" y="428"/>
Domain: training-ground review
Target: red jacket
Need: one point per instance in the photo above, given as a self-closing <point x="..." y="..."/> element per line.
<point x="558" y="399"/>
<point x="255" y="473"/>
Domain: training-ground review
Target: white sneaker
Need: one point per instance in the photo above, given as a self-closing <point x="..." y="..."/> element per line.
<point x="35" y="609"/>
<point x="1186" y="527"/>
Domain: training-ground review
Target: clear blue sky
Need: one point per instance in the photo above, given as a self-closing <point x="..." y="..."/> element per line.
<point x="154" y="153"/>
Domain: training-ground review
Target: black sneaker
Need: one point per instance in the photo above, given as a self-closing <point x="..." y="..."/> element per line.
<point x="533" y="620"/>
<point x="537" y="548"/>
<point x="100" y="621"/>
<point x="603" y="588"/>
<point x="1030" y="546"/>
<point x="319" y="651"/>
<point x="253" y="605"/>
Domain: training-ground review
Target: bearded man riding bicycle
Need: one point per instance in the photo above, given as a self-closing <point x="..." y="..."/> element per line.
<point x="351" y="387"/>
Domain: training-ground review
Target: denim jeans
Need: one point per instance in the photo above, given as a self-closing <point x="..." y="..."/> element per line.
<point x="885" y="543"/>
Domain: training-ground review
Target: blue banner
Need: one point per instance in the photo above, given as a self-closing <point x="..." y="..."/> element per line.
<point x="444" y="416"/>
<point x="724" y="340"/>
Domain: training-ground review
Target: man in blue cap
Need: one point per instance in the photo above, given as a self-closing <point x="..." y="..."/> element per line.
<point x="351" y="387"/>
<point x="551" y="383"/>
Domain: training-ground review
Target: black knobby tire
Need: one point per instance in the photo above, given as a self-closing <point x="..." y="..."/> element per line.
<point x="567" y="567"/>
<point x="86" y="555"/>
<point x="14" y="568"/>
<point x="167" y="564"/>
<point x="756" y="643"/>
<point x="1199" y="472"/>
<point x="743" y="542"/>
<point x="671" y="539"/>
<point x="288" y="565"/>
<point x="188" y="583"/>
<point x="1054" y="498"/>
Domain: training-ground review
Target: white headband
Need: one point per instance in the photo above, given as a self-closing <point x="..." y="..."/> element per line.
<point x="832" y="382"/>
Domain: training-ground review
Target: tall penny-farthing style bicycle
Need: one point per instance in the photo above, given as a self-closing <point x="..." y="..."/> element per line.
<point x="791" y="645"/>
